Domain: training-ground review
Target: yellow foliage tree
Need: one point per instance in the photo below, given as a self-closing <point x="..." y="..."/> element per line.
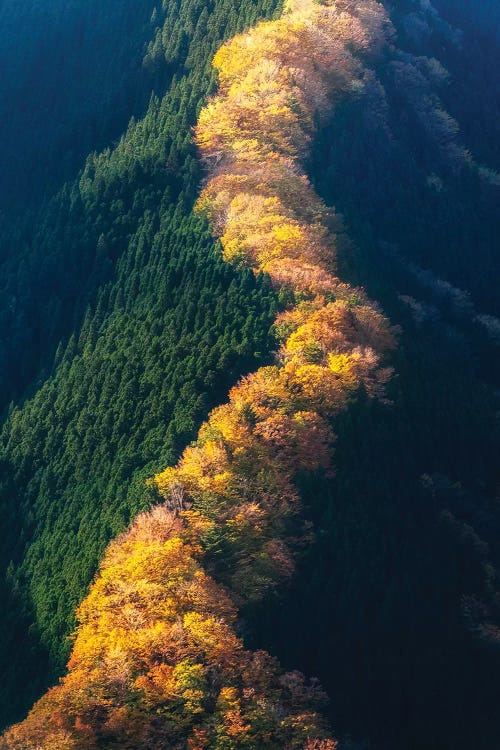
<point x="156" y="660"/>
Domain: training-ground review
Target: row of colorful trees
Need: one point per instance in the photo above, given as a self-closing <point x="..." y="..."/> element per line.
<point x="157" y="659"/>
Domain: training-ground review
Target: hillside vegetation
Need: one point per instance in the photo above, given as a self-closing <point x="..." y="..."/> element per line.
<point x="119" y="314"/>
<point x="340" y="510"/>
<point x="155" y="660"/>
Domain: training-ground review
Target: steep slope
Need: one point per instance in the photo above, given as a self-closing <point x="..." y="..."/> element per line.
<point x="56" y="250"/>
<point x="395" y="605"/>
<point x="155" y="661"/>
<point x="401" y="588"/>
<point x="153" y="329"/>
<point x="72" y="76"/>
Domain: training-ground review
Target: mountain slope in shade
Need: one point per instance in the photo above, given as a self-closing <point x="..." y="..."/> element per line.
<point x="400" y="589"/>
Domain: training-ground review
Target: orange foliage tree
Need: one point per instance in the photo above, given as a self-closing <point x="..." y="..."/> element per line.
<point x="157" y="660"/>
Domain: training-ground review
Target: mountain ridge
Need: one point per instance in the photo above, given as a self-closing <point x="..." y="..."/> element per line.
<point x="437" y="177"/>
<point x="232" y="488"/>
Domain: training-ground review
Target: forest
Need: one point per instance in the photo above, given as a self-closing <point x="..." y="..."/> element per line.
<point x="341" y="509"/>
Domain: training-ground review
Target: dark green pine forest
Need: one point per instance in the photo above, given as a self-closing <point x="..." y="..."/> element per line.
<point x="120" y="327"/>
